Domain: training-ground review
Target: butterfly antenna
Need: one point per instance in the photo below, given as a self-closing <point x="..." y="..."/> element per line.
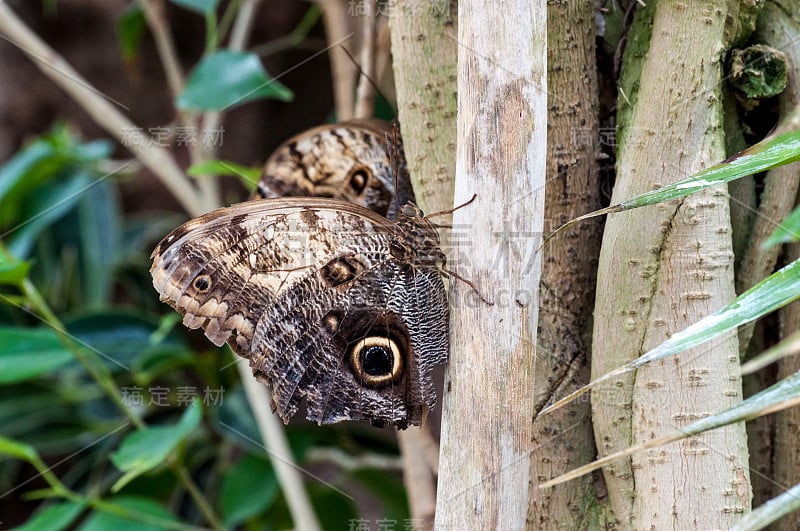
<point x="451" y="210"/>
<point x="451" y="273"/>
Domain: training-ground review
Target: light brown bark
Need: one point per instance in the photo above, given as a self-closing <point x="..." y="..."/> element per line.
<point x="564" y="439"/>
<point x="418" y="477"/>
<point x="778" y="30"/>
<point x="484" y="464"/>
<point x="424" y="57"/>
<point x="776" y="463"/>
<point x="781" y="19"/>
<point x="424" y="44"/>
<point x="661" y="269"/>
<point x="343" y="71"/>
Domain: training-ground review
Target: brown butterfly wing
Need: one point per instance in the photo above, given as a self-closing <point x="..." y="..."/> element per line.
<point x="347" y="161"/>
<point x="309" y="291"/>
<point x="329" y="329"/>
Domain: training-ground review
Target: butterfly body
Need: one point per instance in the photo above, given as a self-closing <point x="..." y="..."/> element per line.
<point x="329" y="301"/>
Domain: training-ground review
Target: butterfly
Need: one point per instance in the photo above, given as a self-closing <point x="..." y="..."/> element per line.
<point x="331" y="302"/>
<point x="353" y="161"/>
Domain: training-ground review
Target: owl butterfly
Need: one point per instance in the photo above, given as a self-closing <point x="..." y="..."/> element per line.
<point x="331" y="302"/>
<point x="351" y="161"/>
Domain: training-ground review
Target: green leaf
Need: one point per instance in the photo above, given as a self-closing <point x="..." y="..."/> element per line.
<point x="26" y="353"/>
<point x="89" y="151"/>
<point x="247" y="174"/>
<point x="60" y="415"/>
<point x="234" y="420"/>
<point x="782" y="395"/>
<point x="44" y="160"/>
<point x="769" y="153"/>
<point x="142" y="514"/>
<point x="139" y="232"/>
<point x="159" y="484"/>
<point x="18" y="450"/>
<point x="788" y="346"/>
<point x="22" y="164"/>
<point x="66" y="434"/>
<point x="123" y="337"/>
<point x="775" y="291"/>
<point x="51" y="202"/>
<point x="99" y="236"/>
<point x="225" y="79"/>
<point x="771" y="511"/>
<point x="53" y="518"/>
<point x="12" y="271"/>
<point x="204" y="7"/>
<point x="785" y="232"/>
<point x="19" y="404"/>
<point x="335" y="507"/>
<point x="146" y="449"/>
<point x="42" y="417"/>
<point x="161" y="359"/>
<point x="306" y="24"/>
<point x="130" y="26"/>
<point x="248" y="488"/>
<point x="166" y="325"/>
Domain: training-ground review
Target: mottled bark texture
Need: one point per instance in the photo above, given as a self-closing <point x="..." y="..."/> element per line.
<point x="488" y="405"/>
<point x="564" y="439"/>
<point x="424" y="59"/>
<point x="424" y="53"/>
<point x="786" y="450"/>
<point x="661" y="269"/>
<point x="779" y="26"/>
<point x="776" y="29"/>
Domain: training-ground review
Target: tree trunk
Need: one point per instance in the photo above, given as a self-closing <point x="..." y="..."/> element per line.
<point x="564" y="439"/>
<point x="424" y="59"/>
<point x="661" y="269"/>
<point x="424" y="54"/>
<point x="777" y="462"/>
<point x="786" y="456"/>
<point x="488" y="404"/>
<point x="779" y="26"/>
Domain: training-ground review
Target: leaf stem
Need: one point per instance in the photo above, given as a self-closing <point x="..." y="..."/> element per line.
<point x="85" y="357"/>
<point x="198" y="497"/>
<point x="102" y="108"/>
<point x="101" y="375"/>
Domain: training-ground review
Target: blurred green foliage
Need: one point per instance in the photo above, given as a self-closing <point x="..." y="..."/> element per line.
<point x="112" y="415"/>
<point x="67" y="245"/>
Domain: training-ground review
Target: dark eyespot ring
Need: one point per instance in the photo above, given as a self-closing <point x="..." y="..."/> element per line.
<point x="358" y="179"/>
<point x="202" y="283"/>
<point x="377" y="361"/>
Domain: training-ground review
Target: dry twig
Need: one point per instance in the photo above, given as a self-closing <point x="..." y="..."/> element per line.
<point x="99" y="107"/>
<point x="365" y="96"/>
<point x="343" y="70"/>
